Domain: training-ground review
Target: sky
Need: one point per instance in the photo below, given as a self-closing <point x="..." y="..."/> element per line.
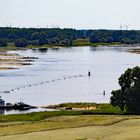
<point x="78" y="14"/>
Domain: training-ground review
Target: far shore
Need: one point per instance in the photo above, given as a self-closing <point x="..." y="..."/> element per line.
<point x="76" y="43"/>
<point x="11" y="61"/>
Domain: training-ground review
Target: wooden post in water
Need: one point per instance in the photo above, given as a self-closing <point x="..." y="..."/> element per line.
<point x="104" y="92"/>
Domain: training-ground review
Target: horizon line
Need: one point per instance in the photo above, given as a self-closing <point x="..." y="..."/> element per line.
<point x="18" y="27"/>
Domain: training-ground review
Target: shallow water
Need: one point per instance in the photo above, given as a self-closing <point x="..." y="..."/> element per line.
<point x="36" y="85"/>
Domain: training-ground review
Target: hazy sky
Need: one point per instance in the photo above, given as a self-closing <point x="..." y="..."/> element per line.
<point x="79" y="14"/>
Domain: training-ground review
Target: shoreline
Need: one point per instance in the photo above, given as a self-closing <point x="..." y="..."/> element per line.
<point x="15" y="61"/>
<point x="45" y="47"/>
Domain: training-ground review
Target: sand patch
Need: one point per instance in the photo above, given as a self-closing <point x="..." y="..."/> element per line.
<point x="14" y="61"/>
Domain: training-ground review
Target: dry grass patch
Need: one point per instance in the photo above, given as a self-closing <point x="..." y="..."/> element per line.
<point x="125" y="130"/>
<point x="61" y="122"/>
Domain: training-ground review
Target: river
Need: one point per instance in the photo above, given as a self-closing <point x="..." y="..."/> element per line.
<point x="55" y="77"/>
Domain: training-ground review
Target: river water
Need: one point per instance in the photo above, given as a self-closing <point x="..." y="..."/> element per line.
<point x="55" y="77"/>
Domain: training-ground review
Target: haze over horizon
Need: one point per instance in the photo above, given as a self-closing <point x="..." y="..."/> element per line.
<point x="78" y="14"/>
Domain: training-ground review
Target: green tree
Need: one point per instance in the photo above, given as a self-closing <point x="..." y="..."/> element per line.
<point x="21" y="43"/>
<point x="40" y="38"/>
<point x="94" y="39"/>
<point x="3" y="43"/>
<point x="109" y="40"/>
<point x="127" y="41"/>
<point x="128" y="97"/>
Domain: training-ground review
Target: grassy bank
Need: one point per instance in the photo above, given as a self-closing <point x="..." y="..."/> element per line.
<point x="86" y="42"/>
<point x="61" y="122"/>
<point x="77" y="42"/>
<point x="122" y="129"/>
<point x="38" y="116"/>
<point x="96" y="108"/>
<point x="104" y="116"/>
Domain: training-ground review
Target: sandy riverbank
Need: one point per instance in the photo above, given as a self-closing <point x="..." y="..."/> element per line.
<point x="9" y="61"/>
<point x="137" y="51"/>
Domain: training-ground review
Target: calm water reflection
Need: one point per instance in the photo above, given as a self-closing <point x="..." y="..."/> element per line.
<point x="106" y="65"/>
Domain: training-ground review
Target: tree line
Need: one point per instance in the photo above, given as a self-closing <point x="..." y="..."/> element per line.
<point x="56" y="36"/>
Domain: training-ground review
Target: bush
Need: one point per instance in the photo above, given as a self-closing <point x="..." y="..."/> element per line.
<point x="127" y="41"/>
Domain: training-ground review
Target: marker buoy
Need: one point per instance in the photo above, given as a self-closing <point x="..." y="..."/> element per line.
<point x="89" y="73"/>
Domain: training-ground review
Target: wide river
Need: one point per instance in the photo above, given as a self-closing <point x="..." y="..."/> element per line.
<point x="54" y="77"/>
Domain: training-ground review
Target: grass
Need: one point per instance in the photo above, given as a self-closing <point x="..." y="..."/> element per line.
<point x="100" y="108"/>
<point x="81" y="42"/>
<point x="8" y="48"/>
<point x="63" y="122"/>
<point x="125" y="130"/>
<point x="53" y="122"/>
<point x="86" y="42"/>
<point x="60" y="122"/>
<point x="77" y="105"/>
<point x="43" y="46"/>
<point x="38" y="116"/>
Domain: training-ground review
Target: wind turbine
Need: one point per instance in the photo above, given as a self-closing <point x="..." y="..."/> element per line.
<point x="127" y="26"/>
<point x="121" y="26"/>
